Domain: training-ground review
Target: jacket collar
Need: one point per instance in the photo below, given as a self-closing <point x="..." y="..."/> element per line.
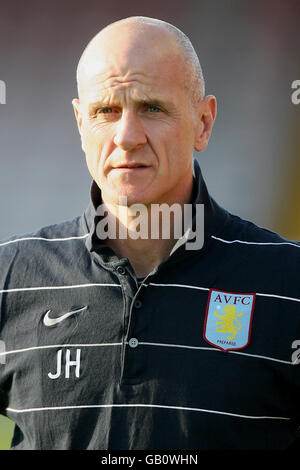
<point x="215" y="218"/>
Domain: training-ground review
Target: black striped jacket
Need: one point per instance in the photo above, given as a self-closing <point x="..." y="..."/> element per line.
<point x="93" y="359"/>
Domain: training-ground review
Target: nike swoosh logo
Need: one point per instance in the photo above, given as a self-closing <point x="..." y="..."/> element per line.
<point x="53" y="321"/>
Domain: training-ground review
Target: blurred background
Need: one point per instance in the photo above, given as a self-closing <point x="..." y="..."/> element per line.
<point x="250" y="55"/>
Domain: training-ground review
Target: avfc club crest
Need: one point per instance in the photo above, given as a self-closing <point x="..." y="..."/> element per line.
<point x="228" y="319"/>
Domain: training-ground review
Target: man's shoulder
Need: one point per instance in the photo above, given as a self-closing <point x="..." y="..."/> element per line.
<point x="47" y="237"/>
<point x="247" y="232"/>
<point x="262" y="244"/>
<point x="264" y="259"/>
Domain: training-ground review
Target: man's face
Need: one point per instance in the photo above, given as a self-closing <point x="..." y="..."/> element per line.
<point x="138" y="124"/>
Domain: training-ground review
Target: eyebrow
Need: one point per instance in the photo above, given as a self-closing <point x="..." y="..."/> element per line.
<point x="102" y="104"/>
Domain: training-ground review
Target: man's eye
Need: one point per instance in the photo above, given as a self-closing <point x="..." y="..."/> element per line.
<point x="153" y="109"/>
<point x="105" y="110"/>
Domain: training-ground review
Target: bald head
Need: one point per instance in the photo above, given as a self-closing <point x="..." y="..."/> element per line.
<point x="141" y="37"/>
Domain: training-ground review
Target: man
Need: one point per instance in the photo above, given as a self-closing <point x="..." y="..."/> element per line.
<point x="145" y="343"/>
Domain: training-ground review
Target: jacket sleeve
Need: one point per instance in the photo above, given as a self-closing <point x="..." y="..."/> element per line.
<point x="2" y="363"/>
<point x="7" y="257"/>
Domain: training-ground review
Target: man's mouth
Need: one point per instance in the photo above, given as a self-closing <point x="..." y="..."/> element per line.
<point x="130" y="166"/>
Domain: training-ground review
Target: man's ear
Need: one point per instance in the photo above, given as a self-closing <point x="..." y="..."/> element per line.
<point x="78" y="116"/>
<point x="206" y="115"/>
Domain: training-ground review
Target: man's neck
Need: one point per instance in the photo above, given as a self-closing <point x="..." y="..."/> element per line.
<point x="148" y="250"/>
<point x="144" y="255"/>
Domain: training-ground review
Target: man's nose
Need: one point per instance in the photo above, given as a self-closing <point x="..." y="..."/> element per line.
<point x="129" y="132"/>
